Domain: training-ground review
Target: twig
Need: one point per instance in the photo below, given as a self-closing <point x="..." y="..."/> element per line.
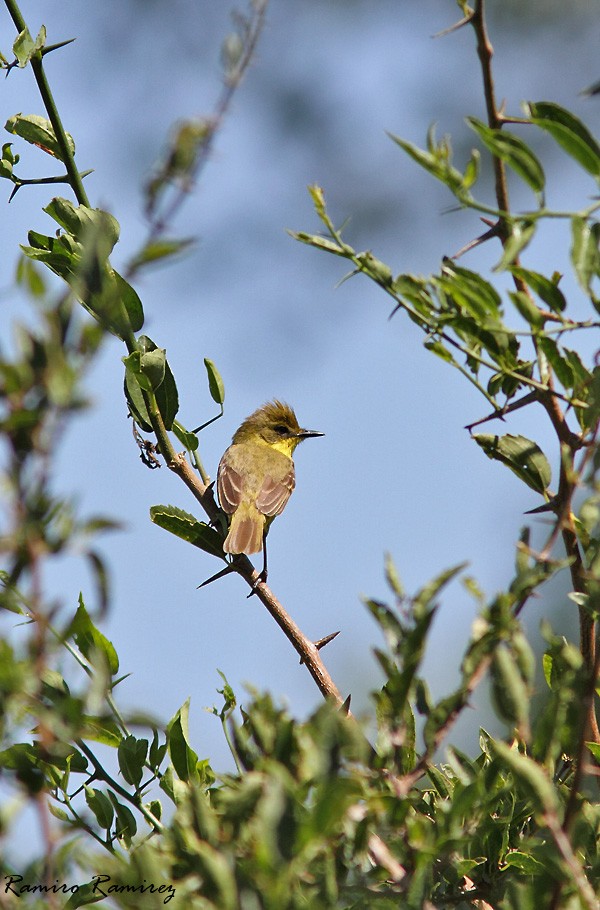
<point x="570" y="442"/>
<point x="307" y="650"/>
<point x="577" y="874"/>
<point x="500" y="413"/>
<point x="101" y="774"/>
<point x="37" y="67"/>
<point x="233" y="80"/>
<point x="485" y="52"/>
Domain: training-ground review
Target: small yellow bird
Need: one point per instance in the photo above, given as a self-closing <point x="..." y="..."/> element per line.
<point x="256" y="476"/>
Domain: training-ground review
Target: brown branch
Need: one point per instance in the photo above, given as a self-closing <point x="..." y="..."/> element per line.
<point x="570" y="441"/>
<point x="485" y="52"/>
<point x="307" y="650"/>
<point x="499" y="413"/>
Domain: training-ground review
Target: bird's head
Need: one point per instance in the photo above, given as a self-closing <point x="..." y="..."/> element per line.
<point x="275" y="425"/>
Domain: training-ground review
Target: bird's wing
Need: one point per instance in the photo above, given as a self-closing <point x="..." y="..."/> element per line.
<point x="230" y="487"/>
<point x="274" y="494"/>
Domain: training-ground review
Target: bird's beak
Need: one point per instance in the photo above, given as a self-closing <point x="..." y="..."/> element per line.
<point x="306" y="434"/>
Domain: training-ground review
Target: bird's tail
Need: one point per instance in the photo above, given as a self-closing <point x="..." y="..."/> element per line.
<point x="245" y="531"/>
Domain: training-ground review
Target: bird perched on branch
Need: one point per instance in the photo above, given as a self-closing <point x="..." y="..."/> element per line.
<point x="256" y="476"/>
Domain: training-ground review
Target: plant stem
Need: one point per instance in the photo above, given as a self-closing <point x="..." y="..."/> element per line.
<point x="37" y="66"/>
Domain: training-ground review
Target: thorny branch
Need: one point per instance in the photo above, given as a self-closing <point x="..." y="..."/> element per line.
<point x="569" y="441"/>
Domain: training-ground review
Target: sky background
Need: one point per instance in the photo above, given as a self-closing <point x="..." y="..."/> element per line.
<point x="396" y="471"/>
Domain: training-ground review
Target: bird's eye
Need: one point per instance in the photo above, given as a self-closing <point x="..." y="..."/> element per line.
<point x="281" y="429"/>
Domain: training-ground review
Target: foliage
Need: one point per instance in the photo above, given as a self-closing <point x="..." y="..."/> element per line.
<point x="316" y="815"/>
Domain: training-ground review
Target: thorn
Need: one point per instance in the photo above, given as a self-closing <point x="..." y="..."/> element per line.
<point x="228" y="568"/>
<point x="55" y="47"/>
<point x="453" y="28"/>
<point x="346" y="706"/>
<point x="549" y="506"/>
<point x="323" y="641"/>
<point x="497" y="415"/>
<point x="591" y="90"/>
<point x="500" y="413"/>
<point x="487" y="235"/>
<point x="260" y="580"/>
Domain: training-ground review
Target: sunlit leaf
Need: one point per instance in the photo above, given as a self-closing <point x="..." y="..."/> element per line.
<point x="513" y="151"/>
<point x="521" y="455"/>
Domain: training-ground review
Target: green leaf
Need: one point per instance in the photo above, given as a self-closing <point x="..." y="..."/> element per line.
<point x="157" y="250"/>
<point x="470" y="290"/>
<point x="510" y="693"/>
<point x="525" y="863"/>
<point x="102" y="730"/>
<point x="440" y="350"/>
<point x="183" y="757"/>
<point x="393" y="578"/>
<point x="85" y="894"/>
<point x="545" y="288"/>
<point x="130" y="300"/>
<point x="57" y="812"/>
<point x="521" y="455"/>
<point x="132" y="755"/>
<point x="217" y="875"/>
<point x="186" y="527"/>
<point x="471" y="174"/>
<point x="37" y="131"/>
<point x="430" y="591"/>
<point x="6" y="169"/>
<point x="513" y="151"/>
<point x="136" y="402"/>
<point x="24" y="47"/>
<point x="187" y="439"/>
<point x="80" y="257"/>
<point x="100" y="805"/>
<point x="559" y="364"/>
<point x="148" y="366"/>
<point x="321" y="243"/>
<point x="521" y="234"/>
<point x="167" y="397"/>
<point x="19" y="755"/>
<point x="529" y="775"/>
<point x="90" y="640"/>
<point x="527" y="308"/>
<point x="157" y="752"/>
<point x="568" y="131"/>
<point x="499" y="341"/>
<point x="126" y="825"/>
<point x="155" y="807"/>
<point x="215" y="383"/>
<point x="585" y="255"/>
<point x="437" y="160"/>
<point x="592" y="413"/>
<point x="78" y="220"/>
<point x="547" y="664"/>
<point x="595" y="750"/>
